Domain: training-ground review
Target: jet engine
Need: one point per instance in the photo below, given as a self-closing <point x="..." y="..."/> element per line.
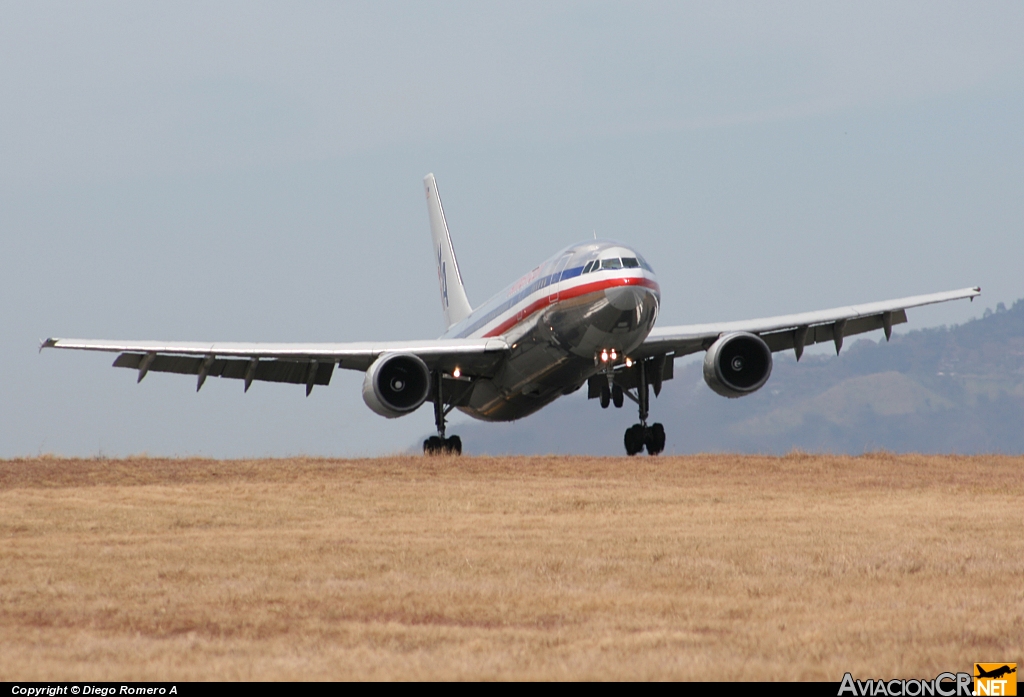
<point x="737" y="364"/>
<point x="396" y="384"/>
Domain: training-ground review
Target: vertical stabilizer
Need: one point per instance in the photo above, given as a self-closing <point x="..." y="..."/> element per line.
<point x="453" y="295"/>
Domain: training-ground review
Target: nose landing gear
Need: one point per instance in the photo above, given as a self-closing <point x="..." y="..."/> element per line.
<point x="611" y="394"/>
<point x="638" y="436"/>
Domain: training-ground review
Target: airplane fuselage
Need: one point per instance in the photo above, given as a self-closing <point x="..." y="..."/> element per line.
<point x="589" y="298"/>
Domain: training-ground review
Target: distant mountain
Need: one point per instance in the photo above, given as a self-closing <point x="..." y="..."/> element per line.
<point x="944" y="390"/>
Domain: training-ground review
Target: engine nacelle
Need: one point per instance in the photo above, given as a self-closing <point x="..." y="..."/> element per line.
<point x="737" y="364"/>
<point x="396" y="384"/>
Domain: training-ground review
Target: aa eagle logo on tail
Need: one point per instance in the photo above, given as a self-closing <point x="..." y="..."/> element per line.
<point x="442" y="277"/>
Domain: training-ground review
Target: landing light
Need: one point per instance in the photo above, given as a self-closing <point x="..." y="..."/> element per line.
<point x="604" y="356"/>
<point x="613" y="354"/>
<point x="629" y="363"/>
<point x="456" y="373"/>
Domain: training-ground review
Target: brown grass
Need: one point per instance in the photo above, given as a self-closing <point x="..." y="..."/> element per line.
<point x="702" y="567"/>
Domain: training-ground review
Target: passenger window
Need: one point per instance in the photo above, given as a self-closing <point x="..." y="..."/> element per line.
<point x="611" y="263"/>
<point x="630" y="263"/>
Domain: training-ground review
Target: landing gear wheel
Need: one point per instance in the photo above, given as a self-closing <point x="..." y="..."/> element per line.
<point x="639" y="437"/>
<point x="433" y="446"/>
<point x="453" y="445"/>
<point x="634" y="439"/>
<point x="606" y="396"/>
<point x="617" y="396"/>
<point x="654" y="439"/>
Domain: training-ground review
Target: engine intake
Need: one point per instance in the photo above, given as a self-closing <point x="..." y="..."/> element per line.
<point x="396" y="384"/>
<point x="737" y="364"/>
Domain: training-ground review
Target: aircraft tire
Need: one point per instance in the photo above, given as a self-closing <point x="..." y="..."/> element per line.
<point x="453" y="445"/>
<point x="634" y="439"/>
<point x="655" y="439"/>
<point x="617" y="398"/>
<point x="433" y="446"/>
<point x="606" y="397"/>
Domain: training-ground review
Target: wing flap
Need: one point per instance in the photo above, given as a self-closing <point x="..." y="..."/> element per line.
<point x="294" y="372"/>
<point x="822" y="333"/>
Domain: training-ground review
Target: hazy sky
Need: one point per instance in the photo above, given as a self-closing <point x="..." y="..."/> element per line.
<point x="251" y="171"/>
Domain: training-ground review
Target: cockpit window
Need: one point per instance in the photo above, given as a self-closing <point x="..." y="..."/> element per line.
<point x="636" y="262"/>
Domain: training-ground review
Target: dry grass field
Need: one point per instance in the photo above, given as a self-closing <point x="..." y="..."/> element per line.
<point x="698" y="567"/>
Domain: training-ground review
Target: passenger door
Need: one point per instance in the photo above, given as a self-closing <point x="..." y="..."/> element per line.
<point x="556" y="277"/>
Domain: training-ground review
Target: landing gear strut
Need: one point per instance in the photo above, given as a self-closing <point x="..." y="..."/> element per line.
<point x="640" y="436"/>
<point x="439" y="445"/>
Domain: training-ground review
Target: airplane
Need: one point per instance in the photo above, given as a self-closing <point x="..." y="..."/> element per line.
<point x="585" y="316"/>
<point x="995" y="673"/>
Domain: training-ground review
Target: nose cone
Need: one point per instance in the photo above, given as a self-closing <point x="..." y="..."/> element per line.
<point x="626" y="298"/>
<point x="618" y="318"/>
<point x="631" y="311"/>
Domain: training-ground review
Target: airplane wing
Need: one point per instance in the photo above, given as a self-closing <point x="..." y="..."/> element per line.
<point x="309" y="364"/>
<point x="796" y="331"/>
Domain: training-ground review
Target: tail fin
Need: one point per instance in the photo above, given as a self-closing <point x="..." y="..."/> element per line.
<point x="453" y="295"/>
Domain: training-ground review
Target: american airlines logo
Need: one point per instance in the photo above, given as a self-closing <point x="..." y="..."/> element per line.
<point x="442" y="277"/>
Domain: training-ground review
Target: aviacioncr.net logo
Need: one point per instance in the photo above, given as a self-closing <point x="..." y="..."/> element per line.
<point x="942" y="685"/>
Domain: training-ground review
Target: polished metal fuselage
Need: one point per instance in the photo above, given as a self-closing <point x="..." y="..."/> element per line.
<point x="557" y="321"/>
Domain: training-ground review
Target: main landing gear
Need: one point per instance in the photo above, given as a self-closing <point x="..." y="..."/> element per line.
<point x="638" y="436"/>
<point x="439" y="445"/>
